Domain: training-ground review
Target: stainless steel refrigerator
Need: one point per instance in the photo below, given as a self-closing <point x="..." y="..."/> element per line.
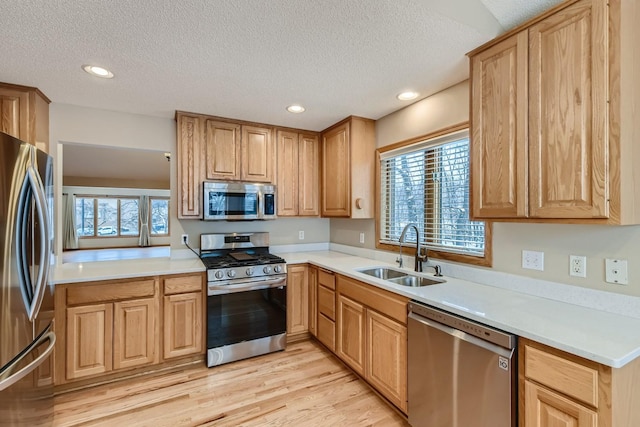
<point x="26" y="295"/>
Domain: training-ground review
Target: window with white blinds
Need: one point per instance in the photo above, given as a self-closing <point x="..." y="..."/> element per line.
<point x="427" y="183"/>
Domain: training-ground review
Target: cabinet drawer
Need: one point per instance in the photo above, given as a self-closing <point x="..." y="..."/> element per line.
<point x="182" y="284"/>
<point x="327" y="279"/>
<point x="327" y="332"/>
<point x="110" y="291"/>
<point x="566" y="376"/>
<point x="327" y="302"/>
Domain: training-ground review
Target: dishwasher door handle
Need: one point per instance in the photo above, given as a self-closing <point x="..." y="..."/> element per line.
<point x="504" y="352"/>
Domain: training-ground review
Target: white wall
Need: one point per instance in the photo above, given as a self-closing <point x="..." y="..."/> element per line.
<point x="80" y="125"/>
<point x="557" y="241"/>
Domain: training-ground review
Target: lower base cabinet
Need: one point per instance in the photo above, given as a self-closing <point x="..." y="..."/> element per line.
<point x="371" y="329"/>
<point x="111" y="326"/>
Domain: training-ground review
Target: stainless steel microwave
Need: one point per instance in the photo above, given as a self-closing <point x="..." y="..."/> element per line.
<point x="238" y="201"/>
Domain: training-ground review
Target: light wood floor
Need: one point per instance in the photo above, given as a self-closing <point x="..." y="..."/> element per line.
<point x="302" y="386"/>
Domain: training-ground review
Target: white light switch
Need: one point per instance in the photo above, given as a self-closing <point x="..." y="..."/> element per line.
<point x="616" y="271"/>
<point x="533" y="260"/>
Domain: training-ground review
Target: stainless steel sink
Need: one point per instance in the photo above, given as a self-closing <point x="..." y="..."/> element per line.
<point x="383" y="273"/>
<point x="399" y="277"/>
<point x="415" y="281"/>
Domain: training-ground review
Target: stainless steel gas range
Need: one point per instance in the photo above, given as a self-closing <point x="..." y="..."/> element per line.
<point x="246" y="296"/>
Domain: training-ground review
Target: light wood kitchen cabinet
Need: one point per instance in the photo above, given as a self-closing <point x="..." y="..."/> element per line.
<point x="560" y="389"/>
<point x="106" y="326"/>
<point x="372" y="337"/>
<point x="189" y="149"/>
<point x="387" y="347"/>
<point x="24" y="114"/>
<point x="135" y="333"/>
<point x="327" y="309"/>
<point x="348" y="169"/>
<point x="183" y="329"/>
<point x="89" y="340"/>
<point x="297" y="301"/>
<point x="223" y="150"/>
<point x="238" y="152"/>
<point x="298" y="160"/>
<point x="313" y="300"/>
<point x="350" y="326"/>
<point x="551" y="119"/>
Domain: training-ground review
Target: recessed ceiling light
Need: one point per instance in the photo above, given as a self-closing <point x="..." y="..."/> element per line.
<point x="407" y="96"/>
<point x="295" y="109"/>
<point x="94" y="70"/>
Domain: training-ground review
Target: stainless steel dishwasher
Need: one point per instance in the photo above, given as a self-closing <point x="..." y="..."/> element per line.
<point x="461" y="373"/>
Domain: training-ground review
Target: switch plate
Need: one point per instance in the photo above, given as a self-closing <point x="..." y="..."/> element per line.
<point x="616" y="271"/>
<point x="533" y="260"/>
<point x="361" y="237"/>
<point x="300" y="235"/>
<point x="578" y="266"/>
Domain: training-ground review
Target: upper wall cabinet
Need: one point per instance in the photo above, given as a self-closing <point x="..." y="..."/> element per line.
<point x="215" y="148"/>
<point x="24" y="114"/>
<point x="348" y="169"/>
<point x="552" y="127"/>
<point x="298" y="160"/>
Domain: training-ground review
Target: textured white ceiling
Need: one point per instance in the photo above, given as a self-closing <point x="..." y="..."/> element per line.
<point x="248" y="59"/>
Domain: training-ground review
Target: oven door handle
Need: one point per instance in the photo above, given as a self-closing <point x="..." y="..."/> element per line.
<point x="246" y="286"/>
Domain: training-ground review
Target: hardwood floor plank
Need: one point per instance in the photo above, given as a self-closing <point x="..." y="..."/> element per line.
<point x="302" y="386"/>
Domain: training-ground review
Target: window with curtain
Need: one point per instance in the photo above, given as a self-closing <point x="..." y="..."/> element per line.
<point x="427" y="183"/>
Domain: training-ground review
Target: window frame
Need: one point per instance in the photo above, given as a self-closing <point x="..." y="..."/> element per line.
<point x="486" y="260"/>
<point x="151" y="233"/>
<point x="118" y="216"/>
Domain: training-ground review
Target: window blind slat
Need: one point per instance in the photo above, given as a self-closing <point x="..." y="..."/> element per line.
<point x="429" y="185"/>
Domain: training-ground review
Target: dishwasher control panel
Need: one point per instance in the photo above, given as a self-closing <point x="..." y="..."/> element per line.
<point x="468" y="326"/>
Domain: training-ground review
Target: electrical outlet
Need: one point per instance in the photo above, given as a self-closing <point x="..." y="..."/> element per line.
<point x="300" y="235"/>
<point x="185" y="239"/>
<point x="533" y="260"/>
<point x="361" y="237"/>
<point x="578" y="266"/>
<point x="616" y="271"/>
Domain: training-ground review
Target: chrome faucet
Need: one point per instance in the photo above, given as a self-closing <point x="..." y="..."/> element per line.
<point x="421" y="252"/>
<point x="419" y="258"/>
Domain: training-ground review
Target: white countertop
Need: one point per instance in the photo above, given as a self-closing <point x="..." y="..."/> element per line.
<point x="604" y="337"/>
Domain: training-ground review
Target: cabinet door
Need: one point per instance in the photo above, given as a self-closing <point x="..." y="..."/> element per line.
<point x="189" y="147"/>
<point x="297" y="299"/>
<point x="387" y="358"/>
<point x="222" y="142"/>
<point x="313" y="300"/>
<point x="89" y="338"/>
<point x="351" y="333"/>
<point x="499" y="130"/>
<point x="568" y="113"/>
<point x="544" y="408"/>
<point x="287" y="173"/>
<point x="308" y="175"/>
<point x="183" y="324"/>
<point x="336" y="178"/>
<point x="135" y="333"/>
<point x="14" y="113"/>
<point x="257" y="154"/>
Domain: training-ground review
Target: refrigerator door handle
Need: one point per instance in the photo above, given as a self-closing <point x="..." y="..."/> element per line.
<point x="8" y="378"/>
<point x="33" y="298"/>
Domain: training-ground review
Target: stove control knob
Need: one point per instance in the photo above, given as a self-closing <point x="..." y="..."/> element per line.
<point x="277" y="269"/>
<point x="249" y="271"/>
<point x="219" y="274"/>
<point x="231" y="274"/>
<point x="267" y="269"/>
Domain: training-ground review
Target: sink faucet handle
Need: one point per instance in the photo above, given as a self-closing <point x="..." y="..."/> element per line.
<point x="399" y="261"/>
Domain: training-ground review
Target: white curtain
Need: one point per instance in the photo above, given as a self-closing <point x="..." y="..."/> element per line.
<point x="69" y="234"/>
<point x="143" y="207"/>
